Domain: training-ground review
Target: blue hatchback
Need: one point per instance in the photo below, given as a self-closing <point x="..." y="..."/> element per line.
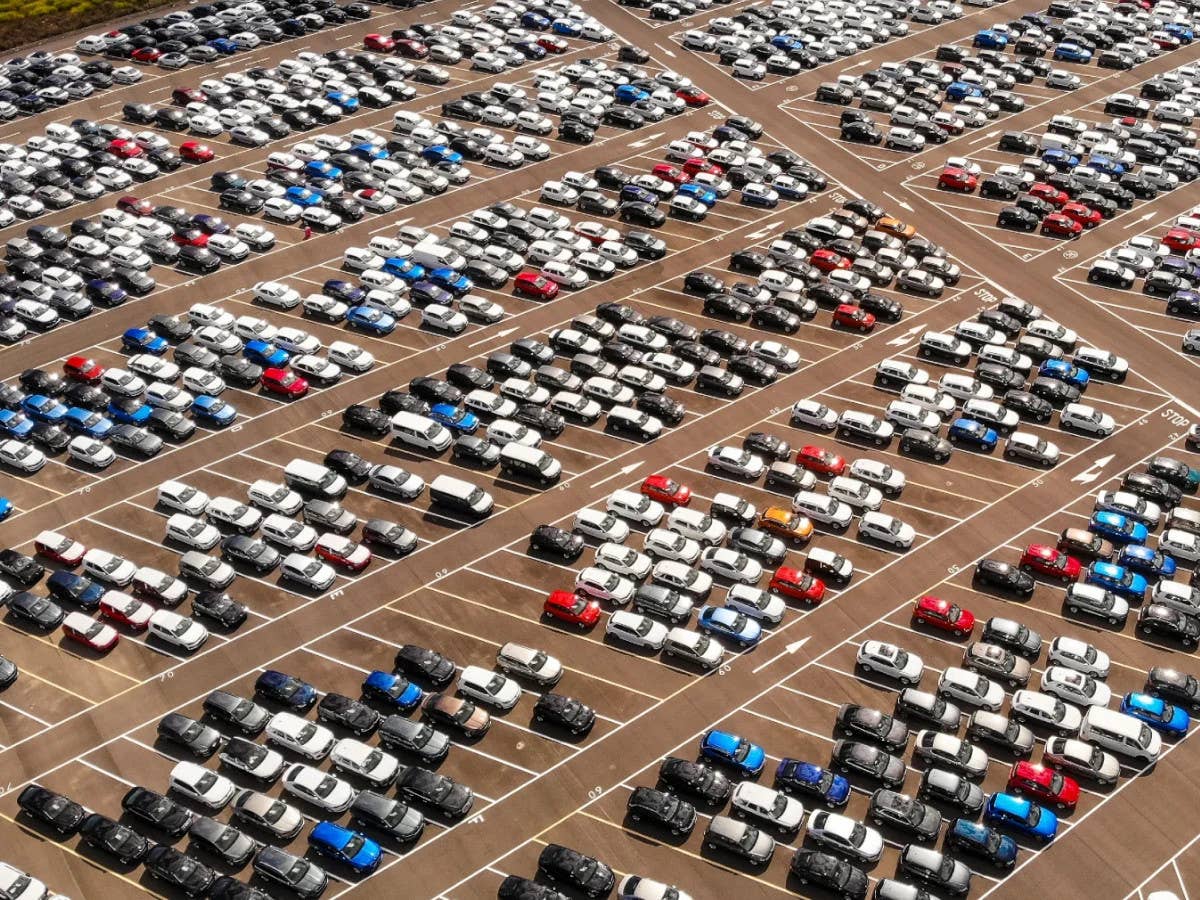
<point x="565" y="27"/>
<point x="1061" y="370"/>
<point x="450" y="280"/>
<point x="303" y="196"/>
<point x="368" y="318"/>
<point x="346" y="846"/>
<point x="440" y="153"/>
<point x="989" y="39"/>
<point x="318" y="168"/>
<point x="6" y="508"/>
<point x="1117" y="579"/>
<point x="15" y="424"/>
<point x="534" y="21"/>
<point x="84" y="421"/>
<point x="343" y="101"/>
<point x="366" y="152"/>
<point x="960" y="90"/>
<point x="404" y="269"/>
<point x="968" y="431"/>
<point x="457" y="420"/>
<point x="726" y="747"/>
<point x="1157" y="713"/>
<point x="727" y="622"/>
<point x="630" y="94"/>
<point x="265" y="354"/>
<point x="1146" y="561"/>
<point x="800" y="777"/>
<point x="1060" y="159"/>
<point x="707" y="196"/>
<point x="1021" y="815"/>
<point x="83" y="592"/>
<point x="213" y="411"/>
<point x="1118" y="528"/>
<point x="143" y="340"/>
<point x="223" y="45"/>
<point x="980" y="840"/>
<point x="44" y="409"/>
<point x="393" y="690"/>
<point x="129" y="411"/>
<point x="1068" y="51"/>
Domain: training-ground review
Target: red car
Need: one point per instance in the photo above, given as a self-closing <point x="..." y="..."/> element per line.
<point x="126" y="610"/>
<point x="190" y="237"/>
<point x="669" y="173"/>
<point x="1043" y="784"/>
<point x="380" y="42"/>
<point x="83" y="368"/>
<point x="92" y="634"/>
<point x="343" y="552"/>
<point x="146" y="55"/>
<point x="194" y="151"/>
<point x="1051" y="561"/>
<point x="570" y="607"/>
<point x="820" y="460"/>
<point x="135" y="206"/>
<point x="535" y="285"/>
<point x="182" y="96"/>
<point x="124" y="149"/>
<point x="552" y="44"/>
<point x="797" y="585"/>
<point x="411" y="49"/>
<point x="1181" y="239"/>
<point x="943" y="615"/>
<point x="59" y="548"/>
<point x="1064" y="226"/>
<point x="667" y="490"/>
<point x="698" y="164"/>
<point x="1049" y="193"/>
<point x="286" y="384"/>
<point x="848" y="316"/>
<point x="693" y="96"/>
<point x="957" y="180"/>
<point x="1084" y="215"/>
<point x="828" y="260"/>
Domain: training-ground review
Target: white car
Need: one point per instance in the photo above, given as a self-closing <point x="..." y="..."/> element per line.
<point x="700" y="527"/>
<point x="369" y="763"/>
<point x="324" y="791"/>
<point x="815" y="414"/>
<point x="604" y="585"/>
<point x="527" y="662"/>
<point x="168" y="396"/>
<point x="286" y="532"/>
<point x="624" y="560"/>
<point x="891" y="661"/>
<point x="202" y="785"/>
<point x="663" y="543"/>
<point x="91" y="452"/>
<point x="177" y="630"/>
<point x="637" y="507"/>
<point x="316" y="368"/>
<point x="444" y="318"/>
<point x="904" y="139"/>
<point x="350" y="357"/>
<point x="937" y="747"/>
<point x="777" y="354"/>
<point x="846" y="835"/>
<point x="1075" y="687"/>
<point x="1050" y="330"/>
<point x="299" y="735"/>
<point x="736" y="461"/>
<point x="603" y="526"/>
<point x="1129" y="504"/>
<point x="772" y="806"/>
<point x="679" y="577"/>
<point x="879" y="474"/>
<point x="886" y="529"/>
<point x="634" y="628"/>
<point x="971" y="688"/>
<point x="1086" y="419"/>
<point x="756" y="603"/>
<point x="489" y="687"/>
<point x="1045" y="710"/>
<point x="1078" y="655"/>
<point x="558" y="192"/>
<point x="856" y="493"/>
<point x="1181" y="544"/>
<point x="731" y="565"/>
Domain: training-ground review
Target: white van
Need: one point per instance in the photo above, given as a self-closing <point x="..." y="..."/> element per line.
<point x="314" y="478"/>
<point x="530" y="462"/>
<point x="420" y="432"/>
<point x="460" y="495"/>
<point x="1122" y="734"/>
<point x="635" y="506"/>
<point x="433" y="255"/>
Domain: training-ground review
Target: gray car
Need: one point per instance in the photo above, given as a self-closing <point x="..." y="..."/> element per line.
<point x="996" y="662"/>
<point x="904" y="813"/>
<point x="305" y="879"/>
<point x="1012" y="634"/>
<point x="935" y="869"/>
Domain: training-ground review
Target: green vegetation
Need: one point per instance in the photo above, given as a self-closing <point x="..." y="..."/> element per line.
<point x="32" y="21"/>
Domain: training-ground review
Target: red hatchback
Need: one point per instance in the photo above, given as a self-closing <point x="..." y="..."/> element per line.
<point x="284" y="383"/>
<point x="552" y="44"/>
<point x="669" y="173"/>
<point x="797" y="585"/>
<point x="693" y="96"/>
<point x="957" y="180"/>
<point x="136" y="206"/>
<point x="535" y="285"/>
<point x="1049" y="193"/>
<point x="1084" y="215"/>
<point x="1047" y="560"/>
<point x="194" y="151"/>
<point x="83" y="368"/>
<point x="1043" y="784"/>
<point x="943" y="615"/>
<point x="379" y="42"/>
<point x="1181" y="239"/>
<point x="698" y="164"/>
<point x="570" y="607"/>
<point x="828" y="260"/>
<point x="848" y="316"/>
<point x="124" y="149"/>
<point x="411" y="49"/>
<point x="667" y="490"/>
<point x="1063" y="226"/>
<point x="820" y="460"/>
<point x="146" y="54"/>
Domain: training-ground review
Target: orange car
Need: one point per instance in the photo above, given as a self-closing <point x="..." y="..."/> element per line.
<point x="786" y="524"/>
<point x="893" y="226"/>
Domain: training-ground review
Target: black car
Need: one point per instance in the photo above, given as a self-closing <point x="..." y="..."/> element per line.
<point x="198" y="739"/>
<point x="639" y="213"/>
<point x="870" y="762"/>
<point x="251" y="552"/>
<point x="662" y="809"/>
<point x="918" y="442"/>
<point x="167" y="423"/>
<point x="1174" y="686"/>
<point x="576" y="132"/>
<point x="667" y="409"/>
<point x="1026" y="404"/>
<point x="1152" y="488"/>
<point x="727" y="306"/>
<point x="1172" y="471"/>
<point x="397" y="819"/>
<point x="905" y="814"/>
<point x="427" y="665"/>
<point x="584" y="873"/>
<point x="240" y="201"/>
<point x="438" y="792"/>
<point x="1006" y="577"/>
<point x="1164" y="621"/>
<point x="227" y="843"/>
<point x="397" y="400"/>
<point x="777" y="319"/>
<point x="1018" y="219"/>
<point x="767" y="445"/>
<point x="564" y="712"/>
<point x="189" y="875"/>
<point x="115" y="839"/>
<point x="468" y="377"/>
<point x="695" y="778"/>
<point x="286" y="690"/>
<point x="41" y="613"/>
<point x="164" y="814"/>
<point x="190" y="354"/>
<point x="550" y="424"/>
<point x="829" y="872"/>
<point x="861" y="133"/>
<point x="854" y="720"/>
<point x="346" y="712"/>
<point x="60" y="812"/>
<point x="390" y="536"/>
<point x="646" y="245"/>
<point x="360" y="417"/>
<point x="244" y="715"/>
<point x="349" y="465"/>
<point x="557" y="542"/>
<point x="1053" y="391"/>
<point x="135" y="439"/>
<point x="434" y="390"/>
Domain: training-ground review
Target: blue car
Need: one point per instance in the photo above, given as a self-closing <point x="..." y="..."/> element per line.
<point x="565" y="28"/>
<point x="285" y="689"/>
<point x="370" y="319"/>
<point x="1060" y="159"/>
<point x="440" y="153"/>
<point x="1106" y="165"/>
<point x="797" y="191"/>
<point x="318" y="168"/>
<point x="1069" y="51"/>
<point x="425" y="292"/>
<point x="1118" y="528"/>
<point x="129" y="412"/>
<point x="457" y="420"/>
<point x="534" y="22"/>
<point x="366" y="152"/>
<point x="348" y="293"/>
<point x="213" y="411"/>
<point x="343" y="101"/>
<point x="1157" y="713"/>
<point x="355" y="850"/>
<point x="223" y="45"/>
<point x="450" y="280"/>
<point x="795" y="776"/>
<point x="45" y="409"/>
<point x="83" y="592"/>
<point x="1146" y="561"/>
<point x="530" y="50"/>
<point x="787" y="42"/>
<point x="303" y="196"/>
<point x="1021" y="815"/>
<point x="990" y="40"/>
<point x="6" y="508"/>
<point x="1061" y="370"/>
<point x="635" y="193"/>
<point x="1184" y="32"/>
<point x="210" y="224"/>
<point x="630" y="94"/>
<point x="727" y="622"/>
<point x="15" y="424"/>
<point x="960" y="90"/>
<point x="1117" y="579"/>
<point x="982" y="840"/>
<point x="392" y="690"/>
<point x="265" y="354"/>
<point x="404" y="269"/>
<point x="143" y="340"/>
<point x="726" y="747"/>
<point x="968" y="431"/>
<point x="84" y="421"/>
<point x="707" y="196"/>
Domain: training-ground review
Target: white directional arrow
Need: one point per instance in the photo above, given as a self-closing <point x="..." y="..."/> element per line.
<point x="1092" y="472"/>
<point x="765" y="230"/>
<point x="491" y="337"/>
<point x="1140" y="220"/>
<point x="790" y="648"/>
<point x="899" y="202"/>
<point x="649" y="139"/>
<point x="624" y="470"/>
<point x="665" y="50"/>
<point x="908" y="337"/>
